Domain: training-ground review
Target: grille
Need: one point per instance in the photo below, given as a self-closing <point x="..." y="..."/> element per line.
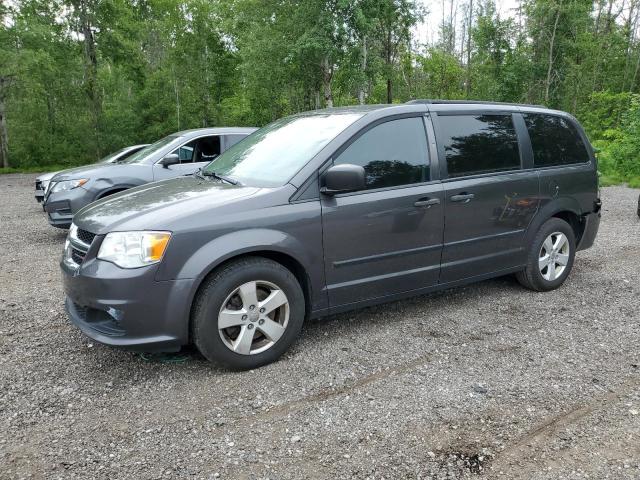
<point x="38" y="185"/>
<point x="85" y="237"/>
<point x="77" y="256"/>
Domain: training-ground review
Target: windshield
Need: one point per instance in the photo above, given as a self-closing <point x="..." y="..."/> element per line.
<point x="111" y="157"/>
<point x="142" y="155"/>
<point x="275" y="153"/>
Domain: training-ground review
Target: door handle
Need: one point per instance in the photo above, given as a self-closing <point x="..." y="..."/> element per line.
<point x="427" y="202"/>
<point x="462" y="197"/>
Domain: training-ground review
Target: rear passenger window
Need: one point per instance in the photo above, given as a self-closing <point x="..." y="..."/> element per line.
<point x="555" y="141"/>
<point x="392" y="153"/>
<point x="475" y="144"/>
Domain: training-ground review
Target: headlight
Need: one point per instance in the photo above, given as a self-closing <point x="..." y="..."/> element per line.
<point x="134" y="249"/>
<point x="68" y="185"/>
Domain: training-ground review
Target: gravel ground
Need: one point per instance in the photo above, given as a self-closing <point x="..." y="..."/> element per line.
<point x="488" y="381"/>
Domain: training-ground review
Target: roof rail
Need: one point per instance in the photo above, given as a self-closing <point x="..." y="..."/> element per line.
<point x="470" y="102"/>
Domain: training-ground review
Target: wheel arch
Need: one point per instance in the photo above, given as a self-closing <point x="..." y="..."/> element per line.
<point x="113" y="190"/>
<point x="566" y="209"/>
<point x="274" y="246"/>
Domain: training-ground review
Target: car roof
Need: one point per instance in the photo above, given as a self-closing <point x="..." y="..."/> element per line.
<point x="215" y="131"/>
<point x="436" y="105"/>
<point x="429" y="105"/>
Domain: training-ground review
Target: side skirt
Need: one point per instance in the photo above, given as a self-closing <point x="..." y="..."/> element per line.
<point x="411" y="293"/>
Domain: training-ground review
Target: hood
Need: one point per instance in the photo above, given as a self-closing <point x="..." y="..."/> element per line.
<point x="88" y="171"/>
<point x="157" y="205"/>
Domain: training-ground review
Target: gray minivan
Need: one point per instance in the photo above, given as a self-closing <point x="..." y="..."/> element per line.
<point x="332" y="210"/>
<point x="178" y="154"/>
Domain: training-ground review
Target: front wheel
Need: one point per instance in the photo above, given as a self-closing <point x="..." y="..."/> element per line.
<point x="248" y="313"/>
<point x="550" y="258"/>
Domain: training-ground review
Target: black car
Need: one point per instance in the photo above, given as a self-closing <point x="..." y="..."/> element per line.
<point x="328" y="211"/>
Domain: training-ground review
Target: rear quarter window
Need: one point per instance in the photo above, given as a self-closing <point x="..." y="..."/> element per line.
<point x="476" y="144"/>
<point x="555" y="141"/>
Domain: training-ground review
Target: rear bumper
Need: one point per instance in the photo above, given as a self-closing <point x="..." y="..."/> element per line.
<point x="128" y="308"/>
<point x="592" y="224"/>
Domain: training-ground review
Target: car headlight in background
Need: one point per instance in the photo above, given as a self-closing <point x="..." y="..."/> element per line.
<point x="65" y="185"/>
<point x="134" y="249"/>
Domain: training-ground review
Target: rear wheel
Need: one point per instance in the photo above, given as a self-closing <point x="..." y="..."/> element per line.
<point x="248" y="313"/>
<point x="550" y="258"/>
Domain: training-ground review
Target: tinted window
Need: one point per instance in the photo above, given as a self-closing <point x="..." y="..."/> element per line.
<point x="555" y="141"/>
<point x="479" y="144"/>
<point x="392" y="153"/>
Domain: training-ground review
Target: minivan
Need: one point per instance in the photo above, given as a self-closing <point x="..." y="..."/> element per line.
<point x="327" y="211"/>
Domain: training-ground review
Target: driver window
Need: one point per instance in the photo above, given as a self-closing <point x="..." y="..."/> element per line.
<point x="393" y="153"/>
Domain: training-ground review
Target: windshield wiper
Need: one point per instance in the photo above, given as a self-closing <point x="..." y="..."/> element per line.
<point x="208" y="173"/>
<point x="198" y="173"/>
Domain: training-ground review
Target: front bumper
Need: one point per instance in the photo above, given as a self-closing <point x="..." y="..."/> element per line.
<point x="62" y="206"/>
<point x="127" y="307"/>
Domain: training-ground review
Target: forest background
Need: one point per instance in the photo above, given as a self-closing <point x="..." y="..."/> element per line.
<point x="82" y="78"/>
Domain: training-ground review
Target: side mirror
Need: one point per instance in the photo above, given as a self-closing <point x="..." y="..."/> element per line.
<point x="343" y="178"/>
<point x="171" y="159"/>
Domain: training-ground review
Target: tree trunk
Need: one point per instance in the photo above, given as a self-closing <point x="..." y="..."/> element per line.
<point x="467" y="86"/>
<point x="91" y="70"/>
<point x="389" y="62"/>
<point x="4" y="137"/>
<point x="207" y="93"/>
<point x="547" y="85"/>
<point x="363" y="67"/>
<point x="327" y="74"/>
<point x="177" y="92"/>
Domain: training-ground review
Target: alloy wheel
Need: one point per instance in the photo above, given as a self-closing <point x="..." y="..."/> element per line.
<point x="554" y="256"/>
<point x="253" y="317"/>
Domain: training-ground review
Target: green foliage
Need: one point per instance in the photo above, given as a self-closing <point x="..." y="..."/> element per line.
<point x="619" y="157"/>
<point x="81" y="78"/>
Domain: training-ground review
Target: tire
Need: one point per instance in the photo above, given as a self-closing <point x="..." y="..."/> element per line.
<point x="248" y="340"/>
<point x="541" y="279"/>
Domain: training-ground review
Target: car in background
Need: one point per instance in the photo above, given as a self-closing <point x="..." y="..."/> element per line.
<point x="178" y="154"/>
<point x="43" y="180"/>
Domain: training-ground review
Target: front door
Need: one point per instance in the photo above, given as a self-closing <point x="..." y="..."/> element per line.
<point x="489" y="200"/>
<point x="387" y="238"/>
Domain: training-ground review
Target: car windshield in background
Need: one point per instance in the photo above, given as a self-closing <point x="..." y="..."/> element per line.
<point x="142" y="155"/>
<point x="109" y="158"/>
<point x="273" y="154"/>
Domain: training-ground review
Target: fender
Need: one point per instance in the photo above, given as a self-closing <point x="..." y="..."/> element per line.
<point x="230" y="245"/>
<point x="214" y="253"/>
<point x="548" y="210"/>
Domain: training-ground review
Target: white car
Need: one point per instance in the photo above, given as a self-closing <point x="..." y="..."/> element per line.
<point x="42" y="181"/>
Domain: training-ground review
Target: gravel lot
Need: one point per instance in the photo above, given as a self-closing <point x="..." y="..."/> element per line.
<point x="489" y="381"/>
